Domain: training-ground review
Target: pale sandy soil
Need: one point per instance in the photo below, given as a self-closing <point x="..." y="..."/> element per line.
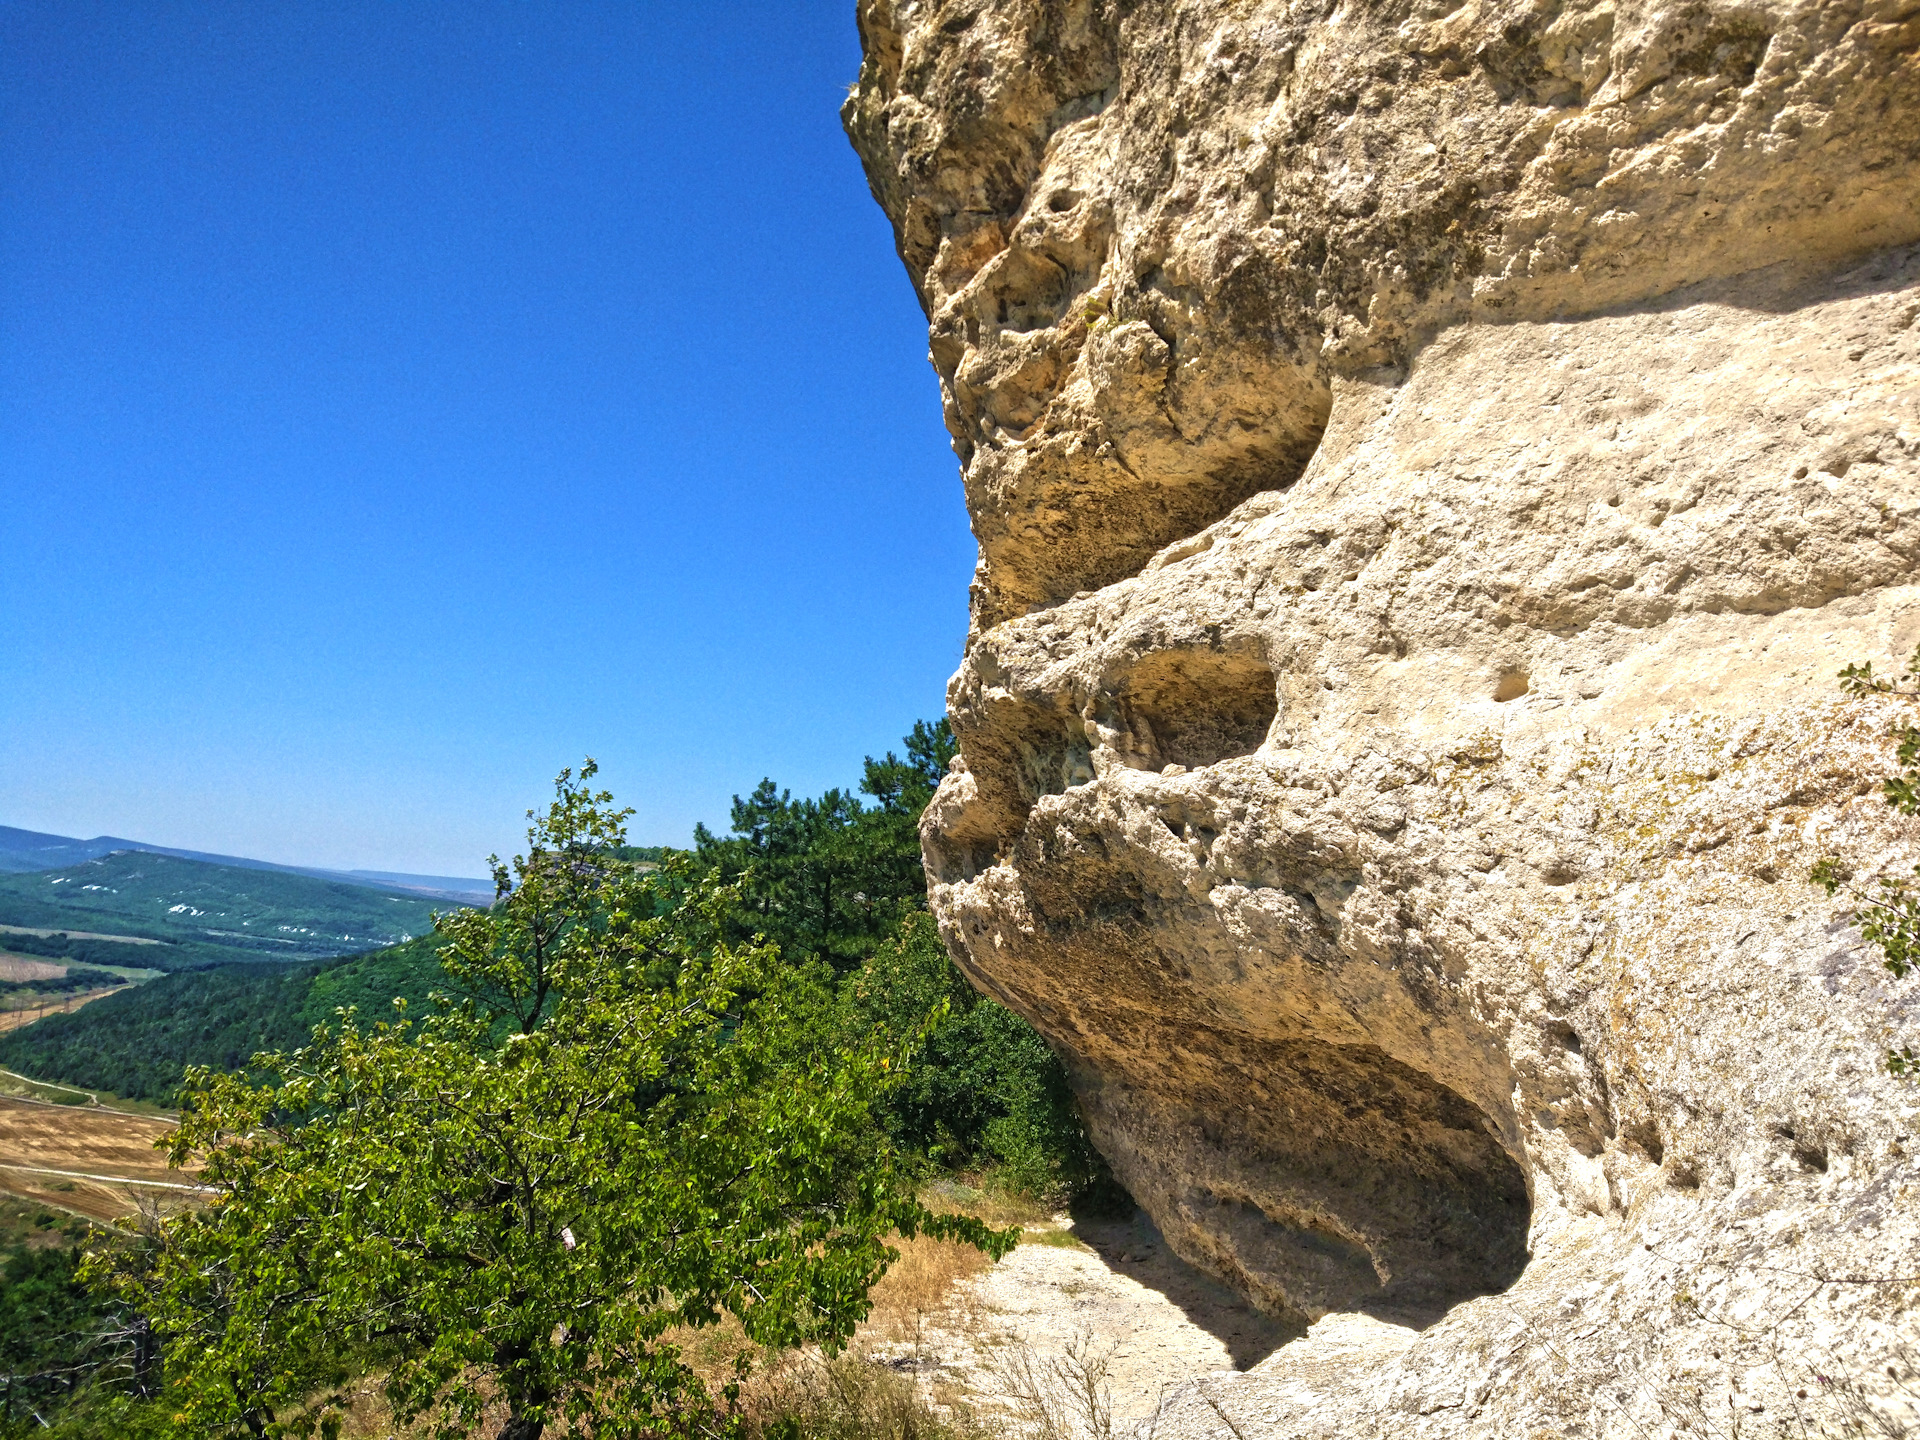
<point x="1121" y="1299"/>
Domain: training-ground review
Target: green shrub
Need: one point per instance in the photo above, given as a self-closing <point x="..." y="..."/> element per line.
<point x="1889" y="915"/>
<point x="985" y="1091"/>
<point x="646" y="1129"/>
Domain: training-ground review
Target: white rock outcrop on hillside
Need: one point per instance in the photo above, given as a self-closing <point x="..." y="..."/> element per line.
<point x="1429" y="465"/>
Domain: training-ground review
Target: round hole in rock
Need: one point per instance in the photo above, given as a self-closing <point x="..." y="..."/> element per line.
<point x="1512" y="686"/>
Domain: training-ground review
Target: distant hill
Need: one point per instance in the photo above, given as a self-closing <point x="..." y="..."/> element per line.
<point x="23" y="851"/>
<point x="213" y="913"/>
<point x="136" y="1043"/>
<point x="465" y="891"/>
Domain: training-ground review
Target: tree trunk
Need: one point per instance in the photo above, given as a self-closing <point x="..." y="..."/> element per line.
<point x="520" y="1425"/>
<point x="524" y="1391"/>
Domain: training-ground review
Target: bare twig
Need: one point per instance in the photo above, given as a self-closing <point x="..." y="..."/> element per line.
<point x="1217" y="1409"/>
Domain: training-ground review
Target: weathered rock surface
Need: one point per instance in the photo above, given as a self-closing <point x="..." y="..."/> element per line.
<point x="1428" y="466"/>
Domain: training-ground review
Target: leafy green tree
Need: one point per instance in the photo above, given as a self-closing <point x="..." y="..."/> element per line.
<point x="986" y="1090"/>
<point x="629" y="1123"/>
<point x="830" y="878"/>
<point x="71" y="1363"/>
<point x="1889" y="917"/>
<point x="842" y="880"/>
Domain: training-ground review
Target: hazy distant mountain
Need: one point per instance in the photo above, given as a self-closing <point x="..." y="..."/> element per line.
<point x="209" y="912"/>
<point x="454" y="887"/>
<point x="30" y="850"/>
<point x="23" y="851"/>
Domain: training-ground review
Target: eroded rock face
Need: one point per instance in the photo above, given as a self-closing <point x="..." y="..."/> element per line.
<point x="1428" y="467"/>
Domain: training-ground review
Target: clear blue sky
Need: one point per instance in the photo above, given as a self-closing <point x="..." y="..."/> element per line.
<point x="399" y="401"/>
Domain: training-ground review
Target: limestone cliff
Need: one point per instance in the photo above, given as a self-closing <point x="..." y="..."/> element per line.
<point x="1428" y="465"/>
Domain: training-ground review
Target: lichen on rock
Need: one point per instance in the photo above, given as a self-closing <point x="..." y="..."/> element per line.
<point x="1428" y="466"/>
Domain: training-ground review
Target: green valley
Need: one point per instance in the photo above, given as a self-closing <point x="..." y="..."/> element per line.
<point x="135" y="1044"/>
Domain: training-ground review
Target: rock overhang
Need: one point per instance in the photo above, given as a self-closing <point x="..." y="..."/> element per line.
<point x="1428" y="465"/>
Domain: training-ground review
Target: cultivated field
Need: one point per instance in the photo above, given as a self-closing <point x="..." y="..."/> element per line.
<point x="26" y="967"/>
<point x="85" y="1158"/>
<point x="25" y="1009"/>
<point x="78" y="935"/>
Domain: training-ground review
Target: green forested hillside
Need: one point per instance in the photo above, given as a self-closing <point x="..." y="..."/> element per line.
<point x="371" y="983"/>
<point x="219" y="912"/>
<point x="74" y="949"/>
<point x="138" y="1042"/>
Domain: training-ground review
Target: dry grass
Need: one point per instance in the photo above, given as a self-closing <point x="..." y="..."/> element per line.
<point x="925" y="1285"/>
<point x="980" y="1197"/>
<point x="28" y="1008"/>
<point x="856" y="1397"/>
<point x="25" y="967"/>
<point x="364" y="1414"/>
<point x="718" y="1354"/>
<point x="84" y="1138"/>
<point x="853" y="1398"/>
<point x="99" y="1149"/>
<point x="885" y="1388"/>
<point x="1062" y="1397"/>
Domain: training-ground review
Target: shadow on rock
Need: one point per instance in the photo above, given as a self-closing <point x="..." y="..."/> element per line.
<point x="1134" y="1247"/>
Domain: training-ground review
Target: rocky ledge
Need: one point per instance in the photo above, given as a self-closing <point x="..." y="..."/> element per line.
<point x="1429" y="464"/>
